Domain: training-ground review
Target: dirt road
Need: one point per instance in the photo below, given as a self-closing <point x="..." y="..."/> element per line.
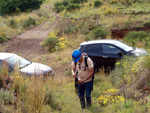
<point x="28" y="44"/>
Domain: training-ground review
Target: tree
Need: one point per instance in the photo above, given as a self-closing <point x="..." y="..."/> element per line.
<point x="14" y="6"/>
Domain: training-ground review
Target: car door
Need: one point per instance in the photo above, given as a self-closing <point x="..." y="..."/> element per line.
<point x="95" y="53"/>
<point x="110" y="54"/>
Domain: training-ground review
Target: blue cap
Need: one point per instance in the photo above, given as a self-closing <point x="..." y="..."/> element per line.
<point x="76" y="55"/>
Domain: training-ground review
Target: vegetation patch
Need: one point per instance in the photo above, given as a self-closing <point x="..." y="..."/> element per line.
<point x="3" y="38"/>
<point x="97" y="33"/>
<point x="122" y="70"/>
<point x="110" y="96"/>
<point x="16" y="6"/>
<point x="53" y="43"/>
<point x="68" y="5"/>
<point x="130" y="77"/>
<point x="135" y="37"/>
<point x="29" y="22"/>
<point x="97" y="3"/>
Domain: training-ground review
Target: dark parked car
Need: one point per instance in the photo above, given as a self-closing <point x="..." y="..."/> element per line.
<point x="24" y="66"/>
<point x="105" y="52"/>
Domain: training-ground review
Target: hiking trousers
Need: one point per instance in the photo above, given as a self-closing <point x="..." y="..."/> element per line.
<point x="82" y="89"/>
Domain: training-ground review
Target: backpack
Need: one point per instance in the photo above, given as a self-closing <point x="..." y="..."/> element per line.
<point x="86" y="66"/>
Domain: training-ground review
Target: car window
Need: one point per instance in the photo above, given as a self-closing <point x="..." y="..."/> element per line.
<point x="94" y="49"/>
<point x="109" y="49"/>
<point x="17" y="61"/>
<point x="124" y="46"/>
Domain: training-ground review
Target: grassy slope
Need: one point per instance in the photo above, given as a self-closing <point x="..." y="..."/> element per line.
<point x="63" y="85"/>
<point x="107" y="21"/>
<point x="116" y="15"/>
<point x="111" y="16"/>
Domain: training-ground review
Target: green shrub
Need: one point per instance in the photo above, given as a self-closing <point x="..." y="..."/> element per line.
<point x="12" y="23"/>
<point x="133" y="37"/>
<point x="57" y="4"/>
<point x="147" y="62"/>
<point x="2" y="39"/>
<point x="98" y="33"/>
<point x="75" y="1"/>
<point x="113" y="1"/>
<point x="65" y="2"/>
<point x="126" y="2"/>
<point x="51" y="42"/>
<point x="70" y="29"/>
<point x="97" y="3"/>
<point x="78" y="1"/>
<point x="42" y="13"/>
<point x="29" y="22"/>
<point x="128" y="104"/>
<point x="13" y="6"/>
<point x="71" y="7"/>
<point x="122" y="70"/>
<point x="60" y="8"/>
<point x="51" y="101"/>
<point x="6" y="96"/>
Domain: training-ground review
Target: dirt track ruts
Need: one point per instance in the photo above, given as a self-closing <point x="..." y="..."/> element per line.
<point x="28" y="44"/>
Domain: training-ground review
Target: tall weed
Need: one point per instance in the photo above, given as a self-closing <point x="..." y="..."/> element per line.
<point x="29" y="22"/>
<point x="35" y="95"/>
<point x="12" y="23"/>
<point x="122" y="70"/>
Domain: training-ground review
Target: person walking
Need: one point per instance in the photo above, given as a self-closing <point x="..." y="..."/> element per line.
<point x="84" y="74"/>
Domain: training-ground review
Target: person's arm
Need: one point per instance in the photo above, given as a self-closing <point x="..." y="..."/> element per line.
<point x="74" y="74"/>
<point x="89" y="76"/>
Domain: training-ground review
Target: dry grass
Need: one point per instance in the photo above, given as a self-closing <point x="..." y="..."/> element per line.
<point x="31" y="98"/>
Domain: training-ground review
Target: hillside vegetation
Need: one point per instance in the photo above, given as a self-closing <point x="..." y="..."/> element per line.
<point x="124" y="90"/>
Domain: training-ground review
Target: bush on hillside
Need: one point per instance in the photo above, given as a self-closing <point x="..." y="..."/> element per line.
<point x="69" y="5"/>
<point x="51" y="101"/>
<point x="29" y="22"/>
<point x="134" y="37"/>
<point x="15" y="6"/>
<point x="78" y="1"/>
<point x="97" y="3"/>
<point x="126" y="2"/>
<point x="98" y="33"/>
<point x="122" y="70"/>
<point x="114" y="1"/>
<point x="12" y="23"/>
<point x="42" y="13"/>
<point x="69" y="29"/>
<point x="51" y="42"/>
<point x="65" y="2"/>
<point x="6" y="96"/>
<point x="3" y="38"/>
<point x="54" y="43"/>
<point x="147" y="62"/>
